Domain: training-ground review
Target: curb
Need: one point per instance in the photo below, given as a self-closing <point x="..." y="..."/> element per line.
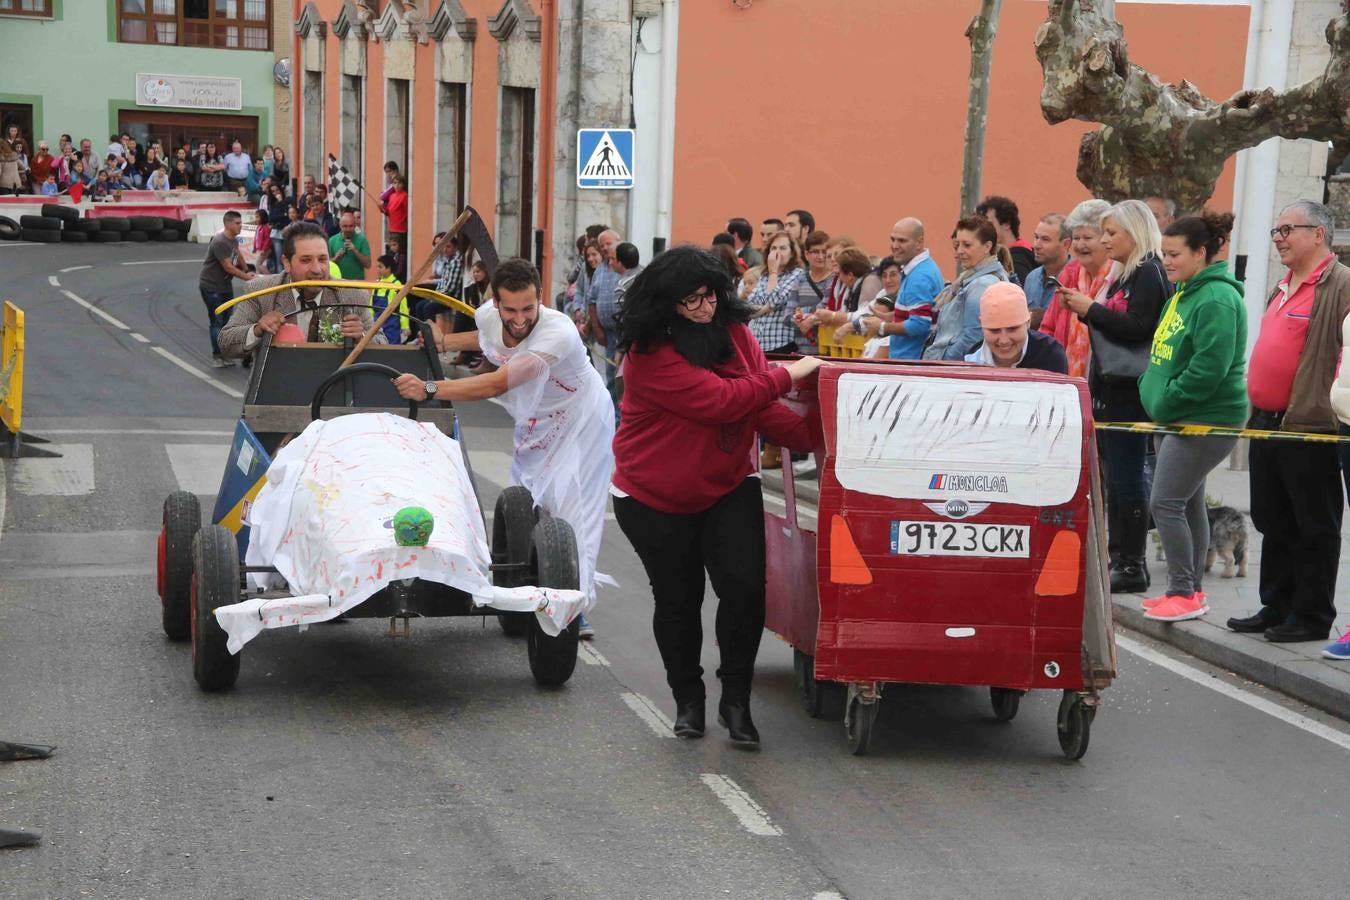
<point x="1312" y="681"/>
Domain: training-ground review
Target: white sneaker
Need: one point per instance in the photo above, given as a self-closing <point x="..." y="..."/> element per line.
<point x="218" y="363"/>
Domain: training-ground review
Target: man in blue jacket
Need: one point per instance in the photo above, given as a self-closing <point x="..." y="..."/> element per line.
<point x="920" y="282"/>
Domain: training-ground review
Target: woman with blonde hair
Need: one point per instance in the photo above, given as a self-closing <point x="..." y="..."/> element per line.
<point x="1090" y="274"/>
<point x="1121" y="328"/>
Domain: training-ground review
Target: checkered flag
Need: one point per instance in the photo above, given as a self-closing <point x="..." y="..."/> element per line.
<point x="343" y="189"/>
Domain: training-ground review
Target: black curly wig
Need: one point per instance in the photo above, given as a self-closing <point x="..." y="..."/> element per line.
<point x="649" y="318"/>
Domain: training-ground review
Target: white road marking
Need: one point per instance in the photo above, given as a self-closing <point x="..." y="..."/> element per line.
<point x="803" y="508"/>
<point x="3" y="480"/>
<point x="155" y="262"/>
<point x="588" y="654"/>
<point x="164" y="431"/>
<point x="198" y="467"/>
<point x="829" y="895"/>
<point x="74" y="268"/>
<point x="750" y="814"/>
<point x="1289" y="717"/>
<point x="51" y="279"/>
<point x="4" y="244"/>
<point x="140" y="337"/>
<point x="647" y="712"/>
<point x="70" y="476"/>
<point x="111" y="320"/>
<point x="198" y="373"/>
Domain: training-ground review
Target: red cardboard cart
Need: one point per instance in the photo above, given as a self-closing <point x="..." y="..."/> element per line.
<point x="958" y="541"/>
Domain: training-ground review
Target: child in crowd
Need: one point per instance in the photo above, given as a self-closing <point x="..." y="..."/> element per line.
<point x="396" y="327"/>
<point x="158" y="180"/>
<point x="262" y="243"/>
<point x="883" y="308"/>
<point x="101" y="189"/>
<point x="49" y="188"/>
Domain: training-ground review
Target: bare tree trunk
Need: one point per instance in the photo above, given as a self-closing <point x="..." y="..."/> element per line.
<point x="1169" y="140"/>
<point x="981" y="32"/>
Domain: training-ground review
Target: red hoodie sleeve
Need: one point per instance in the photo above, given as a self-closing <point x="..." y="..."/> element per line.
<point x="782" y="426"/>
<point x="672" y="383"/>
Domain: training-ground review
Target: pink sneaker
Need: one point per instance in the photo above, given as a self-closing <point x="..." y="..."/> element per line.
<point x="1179" y="609"/>
<point x="1152" y="602"/>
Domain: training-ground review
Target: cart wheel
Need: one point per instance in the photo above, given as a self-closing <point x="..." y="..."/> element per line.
<point x="859" y="719"/>
<point x="215" y="582"/>
<point x="1005" y="702"/>
<point x="818" y="697"/>
<point x="1074" y="725"/>
<point x="512" y="523"/>
<point x="182" y="519"/>
<point x="554" y="560"/>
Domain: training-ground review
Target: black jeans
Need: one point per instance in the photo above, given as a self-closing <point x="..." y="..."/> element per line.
<point x="1297" y="506"/>
<point x="727" y="540"/>
<point x="1345" y="460"/>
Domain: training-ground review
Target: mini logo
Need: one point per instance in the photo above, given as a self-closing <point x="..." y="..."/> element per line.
<point x="1052" y="669"/>
<point x="957" y="509"/>
<point x="966" y="483"/>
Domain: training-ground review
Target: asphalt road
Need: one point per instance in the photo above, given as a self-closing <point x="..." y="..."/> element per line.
<point x="349" y="764"/>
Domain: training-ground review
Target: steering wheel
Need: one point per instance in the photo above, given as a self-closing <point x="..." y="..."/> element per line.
<point x="361" y="368"/>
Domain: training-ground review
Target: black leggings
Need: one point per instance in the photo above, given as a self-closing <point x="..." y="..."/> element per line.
<point x="727" y="540"/>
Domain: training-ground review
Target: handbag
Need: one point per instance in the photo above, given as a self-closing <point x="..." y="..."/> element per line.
<point x="1117" y="359"/>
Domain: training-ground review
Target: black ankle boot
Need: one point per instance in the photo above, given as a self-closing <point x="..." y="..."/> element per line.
<point x="689" y="718"/>
<point x="734" y="716"/>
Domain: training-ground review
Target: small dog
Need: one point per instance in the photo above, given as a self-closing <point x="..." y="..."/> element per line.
<point x="1227" y="539"/>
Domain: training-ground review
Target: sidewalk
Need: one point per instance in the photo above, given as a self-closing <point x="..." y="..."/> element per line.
<point x="1294" y="669"/>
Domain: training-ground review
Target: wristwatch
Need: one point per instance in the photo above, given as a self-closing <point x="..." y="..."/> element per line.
<point x="430" y="387"/>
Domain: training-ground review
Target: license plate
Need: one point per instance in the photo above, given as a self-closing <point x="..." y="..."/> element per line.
<point x="960" y="539"/>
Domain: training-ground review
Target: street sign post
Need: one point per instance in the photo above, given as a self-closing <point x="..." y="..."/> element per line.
<point x="605" y="158"/>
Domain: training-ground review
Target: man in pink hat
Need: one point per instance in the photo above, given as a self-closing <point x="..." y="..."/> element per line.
<point x="1009" y="342"/>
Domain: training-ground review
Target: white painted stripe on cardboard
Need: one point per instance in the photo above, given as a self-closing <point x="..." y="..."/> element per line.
<point x="648" y="713"/>
<point x="198" y="467"/>
<point x="751" y="815"/>
<point x="199" y="374"/>
<point x="589" y="655"/>
<point x="111" y="320"/>
<point x="72" y="475"/>
<point x="1190" y="673"/>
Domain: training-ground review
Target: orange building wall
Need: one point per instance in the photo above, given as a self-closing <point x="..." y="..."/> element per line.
<point x="860" y="117"/>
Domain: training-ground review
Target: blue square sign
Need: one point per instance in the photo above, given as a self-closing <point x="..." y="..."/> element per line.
<point x="605" y="158"/>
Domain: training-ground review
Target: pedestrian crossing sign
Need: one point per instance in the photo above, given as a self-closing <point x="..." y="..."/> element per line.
<point x="605" y="158"/>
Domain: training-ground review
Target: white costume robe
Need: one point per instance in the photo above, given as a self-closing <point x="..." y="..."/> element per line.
<point x="564" y="426"/>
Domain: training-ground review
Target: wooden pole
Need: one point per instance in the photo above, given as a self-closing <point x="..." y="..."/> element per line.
<point x="397" y="300"/>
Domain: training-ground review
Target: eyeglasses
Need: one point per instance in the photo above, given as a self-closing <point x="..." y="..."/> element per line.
<point x="695" y="300"/>
<point x="1283" y="231"/>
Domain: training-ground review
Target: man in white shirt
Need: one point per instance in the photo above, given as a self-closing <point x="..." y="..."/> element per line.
<point x="237" y="166"/>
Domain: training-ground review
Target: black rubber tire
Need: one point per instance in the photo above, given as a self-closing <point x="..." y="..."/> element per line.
<point x="553" y="554"/>
<point x="145" y="223"/>
<point x="820" y="699"/>
<point x="9" y="229"/>
<point x="84" y="226"/>
<point x="183" y="226"/>
<point x="40" y="236"/>
<point x="168" y="235"/>
<point x="182" y="519"/>
<point x="1005" y="702"/>
<point x="513" y="521"/>
<point x="114" y="223"/>
<point x="215" y="582"/>
<point x="64" y="213"/>
<point x="107" y="237"/>
<point x="40" y="223"/>
<point x="75" y="237"/>
<point x="1074" y="725"/>
<point x="860" y="721"/>
<point x="139" y="237"/>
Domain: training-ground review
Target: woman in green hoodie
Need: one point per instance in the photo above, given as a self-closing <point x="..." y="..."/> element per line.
<point x="1196" y="375"/>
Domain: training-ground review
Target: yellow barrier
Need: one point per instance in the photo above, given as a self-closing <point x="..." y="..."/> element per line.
<point x="851" y="348"/>
<point x="1222" y="431"/>
<point x="11" y="368"/>
<point x="443" y="299"/>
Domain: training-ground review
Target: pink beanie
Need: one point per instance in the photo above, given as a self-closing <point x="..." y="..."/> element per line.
<point x="1003" y="305"/>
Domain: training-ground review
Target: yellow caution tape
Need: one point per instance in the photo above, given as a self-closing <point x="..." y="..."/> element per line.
<point x="443" y="299"/>
<point x="1223" y="431"/>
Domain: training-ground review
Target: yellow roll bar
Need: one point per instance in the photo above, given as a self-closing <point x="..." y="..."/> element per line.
<point x="443" y="299"/>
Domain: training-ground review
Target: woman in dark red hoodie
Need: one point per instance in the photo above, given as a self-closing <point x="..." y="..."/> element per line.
<point x="697" y="392"/>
